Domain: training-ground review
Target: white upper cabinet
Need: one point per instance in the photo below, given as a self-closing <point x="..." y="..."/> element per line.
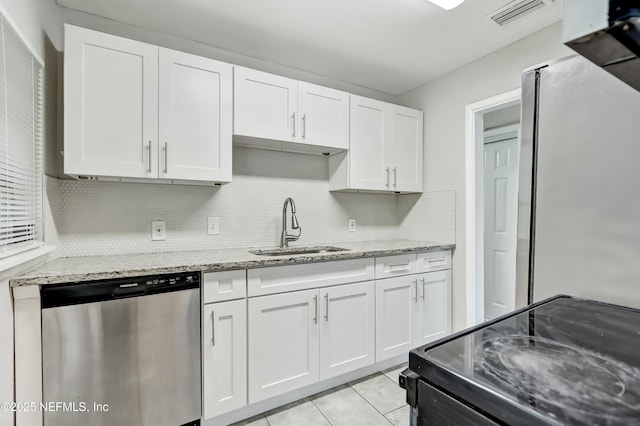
<point x="134" y="110"/>
<point x="385" y="151"/>
<point x="264" y="105"/>
<point x="275" y="112"/>
<point x="369" y="149"/>
<point x="195" y="117"/>
<point x="324" y="116"/>
<point x="110" y="105"/>
<point x="406" y="172"/>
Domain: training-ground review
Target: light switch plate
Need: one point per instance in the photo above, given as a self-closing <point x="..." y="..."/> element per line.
<point x="158" y="230"/>
<point x="213" y="225"/>
<point x="352" y="225"/>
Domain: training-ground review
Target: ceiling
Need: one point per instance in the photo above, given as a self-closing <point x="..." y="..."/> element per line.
<point x="388" y="45"/>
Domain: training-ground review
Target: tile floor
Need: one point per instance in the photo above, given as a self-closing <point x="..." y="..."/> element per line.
<point x="374" y="400"/>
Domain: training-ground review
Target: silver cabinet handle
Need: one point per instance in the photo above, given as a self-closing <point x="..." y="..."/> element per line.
<point x="166" y="157"/>
<point x="315" y="318"/>
<point x="304" y="126"/>
<point x="293" y="119"/>
<point x="415" y="283"/>
<point x="213" y="329"/>
<point x="326" y="300"/>
<point x="149" y="149"/>
<point x="395" y="176"/>
<point x="422" y="287"/>
<point x="387" y="170"/>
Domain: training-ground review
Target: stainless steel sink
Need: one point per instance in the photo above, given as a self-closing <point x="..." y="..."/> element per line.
<point x="286" y="251"/>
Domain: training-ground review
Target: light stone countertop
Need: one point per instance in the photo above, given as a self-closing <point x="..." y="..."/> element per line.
<point x="76" y="269"/>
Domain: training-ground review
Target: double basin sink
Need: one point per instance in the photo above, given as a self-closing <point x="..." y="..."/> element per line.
<point x="286" y="251"/>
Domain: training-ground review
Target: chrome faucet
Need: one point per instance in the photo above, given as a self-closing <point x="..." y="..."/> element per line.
<point x="285" y="238"/>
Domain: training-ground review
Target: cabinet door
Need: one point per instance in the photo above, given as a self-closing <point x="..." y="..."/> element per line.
<point x="110" y="105"/>
<point x="406" y="170"/>
<point x="283" y="343"/>
<point x="195" y="117"/>
<point x="433" y="313"/>
<point x="368" y="152"/>
<point x="264" y="105"/>
<point x="347" y="338"/>
<point x="395" y="308"/>
<point x="324" y="116"/>
<point x="224" y="351"/>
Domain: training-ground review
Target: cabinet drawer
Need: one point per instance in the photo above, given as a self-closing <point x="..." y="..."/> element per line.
<point x="221" y="286"/>
<point x="395" y="266"/>
<point x="280" y="279"/>
<point x="434" y="261"/>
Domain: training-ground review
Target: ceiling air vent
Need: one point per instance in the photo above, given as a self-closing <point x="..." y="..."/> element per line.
<point x="516" y="10"/>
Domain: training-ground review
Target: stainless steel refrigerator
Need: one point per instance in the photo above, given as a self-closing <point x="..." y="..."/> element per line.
<point x="579" y="185"/>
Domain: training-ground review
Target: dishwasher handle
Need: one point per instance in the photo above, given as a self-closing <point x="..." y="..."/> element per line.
<point x="124" y="294"/>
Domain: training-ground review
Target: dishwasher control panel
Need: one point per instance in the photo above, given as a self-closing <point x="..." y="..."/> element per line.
<point x="54" y="295"/>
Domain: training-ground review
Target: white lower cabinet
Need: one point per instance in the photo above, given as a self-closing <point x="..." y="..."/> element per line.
<point x="433" y="307"/>
<point x="395" y="311"/>
<point x="224" y="350"/>
<point x="411" y="311"/>
<point x="347" y="338"/>
<point x="283" y="343"/>
<point x="299" y="338"/>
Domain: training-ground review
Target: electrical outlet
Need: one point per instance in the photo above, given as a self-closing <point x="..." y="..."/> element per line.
<point x="158" y="230"/>
<point x="213" y="225"/>
<point x="352" y="225"/>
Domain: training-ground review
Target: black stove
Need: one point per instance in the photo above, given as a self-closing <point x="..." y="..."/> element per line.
<point x="560" y="361"/>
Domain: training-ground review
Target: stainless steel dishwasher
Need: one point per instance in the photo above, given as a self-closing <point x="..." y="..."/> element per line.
<point x="122" y="352"/>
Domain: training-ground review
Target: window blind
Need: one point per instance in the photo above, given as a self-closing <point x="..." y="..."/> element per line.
<point x="20" y="144"/>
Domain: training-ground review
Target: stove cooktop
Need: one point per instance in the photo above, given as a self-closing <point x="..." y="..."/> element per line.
<point x="563" y="361"/>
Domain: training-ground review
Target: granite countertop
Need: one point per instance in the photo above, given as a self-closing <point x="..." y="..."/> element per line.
<point x="73" y="269"/>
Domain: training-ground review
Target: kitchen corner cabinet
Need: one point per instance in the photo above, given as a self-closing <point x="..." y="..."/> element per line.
<point x="385" y="152"/>
<point x="224" y="351"/>
<point x="415" y="308"/>
<point x="269" y="108"/>
<point x="133" y="110"/>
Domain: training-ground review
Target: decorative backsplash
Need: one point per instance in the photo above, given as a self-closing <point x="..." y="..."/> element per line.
<point x="90" y="218"/>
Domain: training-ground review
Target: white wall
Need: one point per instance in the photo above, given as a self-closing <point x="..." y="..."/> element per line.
<point x="38" y="22"/>
<point x="443" y="102"/>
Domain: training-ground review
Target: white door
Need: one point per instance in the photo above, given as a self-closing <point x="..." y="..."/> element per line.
<point x="224" y="351"/>
<point x="368" y="152"/>
<point x="264" y="105"/>
<point x="433" y="313"/>
<point x="501" y="208"/>
<point x="195" y="117"/>
<point x="110" y="105"/>
<point x="347" y="338"/>
<point x="406" y="168"/>
<point x="395" y="308"/>
<point x="283" y="343"/>
<point x="323" y="116"/>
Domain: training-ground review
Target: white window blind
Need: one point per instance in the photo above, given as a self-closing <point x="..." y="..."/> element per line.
<point x="20" y="145"/>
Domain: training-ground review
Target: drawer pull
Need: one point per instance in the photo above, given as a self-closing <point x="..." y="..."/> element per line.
<point x="441" y="260"/>
<point x="397" y="268"/>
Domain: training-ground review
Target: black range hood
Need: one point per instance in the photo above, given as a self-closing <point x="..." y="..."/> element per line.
<point x="607" y="32"/>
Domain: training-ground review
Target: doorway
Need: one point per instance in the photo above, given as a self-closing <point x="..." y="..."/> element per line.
<point x="489" y="115"/>
<point x="501" y="155"/>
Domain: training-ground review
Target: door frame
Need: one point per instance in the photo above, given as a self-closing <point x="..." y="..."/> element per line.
<point x="474" y="199"/>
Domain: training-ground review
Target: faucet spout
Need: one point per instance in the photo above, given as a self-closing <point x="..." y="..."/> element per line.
<point x="285" y="236"/>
